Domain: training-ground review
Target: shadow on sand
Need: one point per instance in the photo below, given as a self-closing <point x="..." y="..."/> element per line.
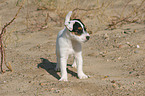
<point x="49" y="67"/>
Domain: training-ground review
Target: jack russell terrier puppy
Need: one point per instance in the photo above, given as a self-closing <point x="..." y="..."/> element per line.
<point x="69" y="43"/>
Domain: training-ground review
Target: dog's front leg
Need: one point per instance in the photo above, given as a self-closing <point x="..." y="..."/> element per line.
<point x="79" y="62"/>
<point x="63" y="64"/>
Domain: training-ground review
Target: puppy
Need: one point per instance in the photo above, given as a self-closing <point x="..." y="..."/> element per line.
<point x="69" y="43"/>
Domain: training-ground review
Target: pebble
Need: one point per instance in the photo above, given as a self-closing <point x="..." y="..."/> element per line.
<point x="133" y="83"/>
<point x="106" y="36"/>
<point x="130" y="72"/>
<point x="137" y="46"/>
<point x="134" y="31"/>
<point x="113" y="81"/>
<point x="114" y="85"/>
<point x="41" y="84"/>
<point x="106" y="76"/>
<point x="136" y="51"/>
<point x="56" y="91"/>
<point x="120" y="46"/>
<point x="2" y="82"/>
<point x="137" y="74"/>
<point x="127" y="43"/>
<point x="103" y="54"/>
<point x="119" y="58"/>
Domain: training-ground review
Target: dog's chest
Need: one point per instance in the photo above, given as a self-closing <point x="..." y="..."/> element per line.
<point x="70" y="48"/>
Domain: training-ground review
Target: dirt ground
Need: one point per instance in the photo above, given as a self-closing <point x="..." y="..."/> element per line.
<point x="115" y="60"/>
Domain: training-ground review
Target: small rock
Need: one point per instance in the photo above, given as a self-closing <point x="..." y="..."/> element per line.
<point x="137" y="46"/>
<point x="114" y="85"/>
<point x="103" y="53"/>
<point x="106" y="36"/>
<point x="56" y="91"/>
<point x="113" y="81"/>
<point x="137" y="74"/>
<point x="106" y="76"/>
<point x="41" y="84"/>
<point x="120" y="46"/>
<point x="133" y="83"/>
<point x="134" y="30"/>
<point x="5" y="81"/>
<point x="127" y="43"/>
<point x="125" y="32"/>
<point x="130" y="72"/>
<point x="119" y="58"/>
<point x="2" y="82"/>
<point x="136" y="51"/>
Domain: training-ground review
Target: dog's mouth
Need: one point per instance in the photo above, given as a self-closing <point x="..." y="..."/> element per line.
<point x="85" y="41"/>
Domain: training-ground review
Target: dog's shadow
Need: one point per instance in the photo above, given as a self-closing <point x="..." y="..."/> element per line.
<point x="50" y="66"/>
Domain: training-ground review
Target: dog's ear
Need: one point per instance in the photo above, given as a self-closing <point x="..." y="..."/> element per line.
<point x="69" y="25"/>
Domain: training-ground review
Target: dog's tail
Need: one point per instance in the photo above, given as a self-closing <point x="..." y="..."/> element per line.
<point x="67" y="18"/>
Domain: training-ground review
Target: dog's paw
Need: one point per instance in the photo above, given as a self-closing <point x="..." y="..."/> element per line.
<point x="63" y="79"/>
<point x="74" y="65"/>
<point x="83" y="76"/>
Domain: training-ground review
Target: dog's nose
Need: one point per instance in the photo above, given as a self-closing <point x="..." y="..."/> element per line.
<point x="87" y="37"/>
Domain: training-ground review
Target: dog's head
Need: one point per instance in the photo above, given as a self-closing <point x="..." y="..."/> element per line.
<point x="77" y="30"/>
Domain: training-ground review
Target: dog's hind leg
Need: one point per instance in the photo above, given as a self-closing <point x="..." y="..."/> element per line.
<point x="74" y="65"/>
<point x="57" y="68"/>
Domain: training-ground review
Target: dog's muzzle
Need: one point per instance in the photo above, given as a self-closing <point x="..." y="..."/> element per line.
<point x="87" y="37"/>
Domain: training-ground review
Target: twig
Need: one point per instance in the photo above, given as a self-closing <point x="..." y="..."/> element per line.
<point x="85" y="9"/>
<point x="2" y="50"/>
<point x="130" y="18"/>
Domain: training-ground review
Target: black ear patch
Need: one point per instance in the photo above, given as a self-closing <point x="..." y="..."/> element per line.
<point x="81" y="22"/>
<point x="77" y="28"/>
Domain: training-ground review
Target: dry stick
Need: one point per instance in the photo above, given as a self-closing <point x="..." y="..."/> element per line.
<point x="27" y="17"/>
<point x="127" y="17"/>
<point x="85" y="9"/>
<point x="2" y="50"/>
<point x="125" y="7"/>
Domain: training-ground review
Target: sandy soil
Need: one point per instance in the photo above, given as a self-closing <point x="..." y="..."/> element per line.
<point x="115" y="60"/>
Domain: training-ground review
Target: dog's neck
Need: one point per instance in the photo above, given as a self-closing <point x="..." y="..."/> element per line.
<point x="66" y="33"/>
<point x="69" y="39"/>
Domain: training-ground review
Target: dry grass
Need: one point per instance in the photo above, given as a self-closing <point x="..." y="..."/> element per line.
<point x="103" y="14"/>
<point x="135" y="15"/>
<point x="94" y="11"/>
<point x="3" y="41"/>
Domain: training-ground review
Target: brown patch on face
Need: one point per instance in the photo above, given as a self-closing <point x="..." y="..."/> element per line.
<point x="80" y="28"/>
<point x="75" y="33"/>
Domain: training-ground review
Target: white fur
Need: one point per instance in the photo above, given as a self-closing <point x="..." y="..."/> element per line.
<point x="67" y="44"/>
